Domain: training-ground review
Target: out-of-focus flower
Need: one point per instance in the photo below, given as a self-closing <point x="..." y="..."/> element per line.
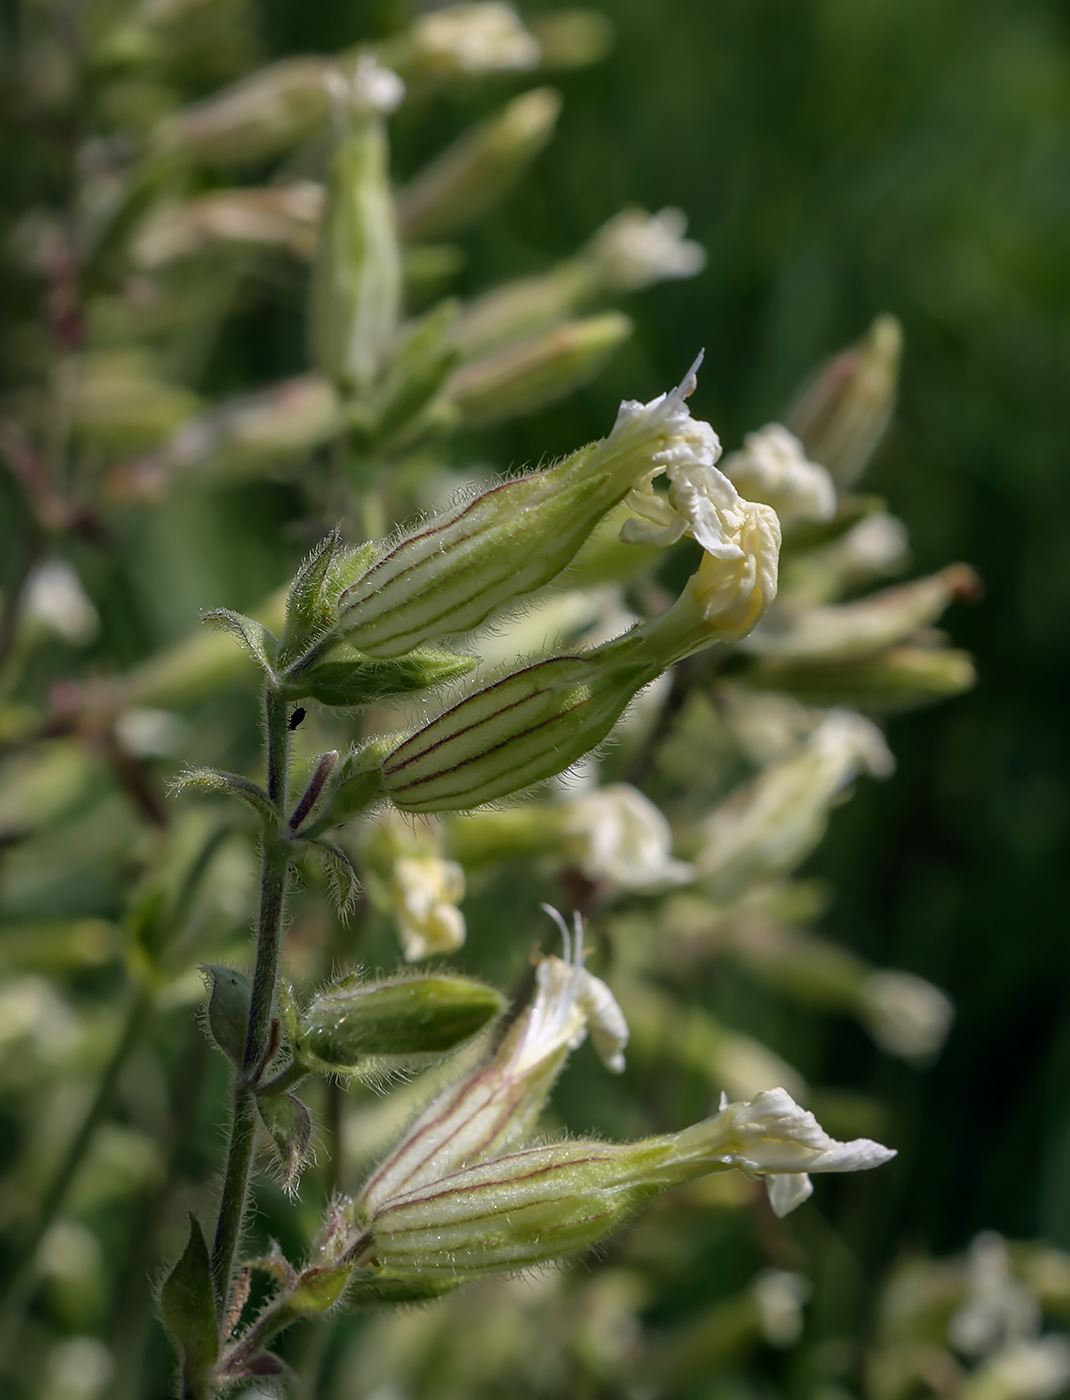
<point x="636" y="249"/>
<point x="619" y="835"/>
<point x="55" y="599"/>
<point x="472" y="39"/>
<point x="906" y="1015"/>
<point x="773" y="467"/>
<point x="1034" y="1369"/>
<point x="426" y="891"/>
<point x="780" y="1296"/>
<point x="998" y="1308"/>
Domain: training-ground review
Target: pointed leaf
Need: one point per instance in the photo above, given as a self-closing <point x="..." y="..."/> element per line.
<point x="290" y="1125"/>
<point x="254" y="636"/>
<point x="342" y="879"/>
<point x="234" y="785"/>
<point x="228" y="1009"/>
<point x="187" y="1308"/>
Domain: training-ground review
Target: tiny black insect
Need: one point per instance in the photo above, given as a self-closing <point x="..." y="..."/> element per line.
<point x="296" y="718"/>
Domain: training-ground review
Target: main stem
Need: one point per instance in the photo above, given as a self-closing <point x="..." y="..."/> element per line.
<point x="274" y="872"/>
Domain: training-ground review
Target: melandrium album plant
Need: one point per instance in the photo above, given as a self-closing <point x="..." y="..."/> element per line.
<point x="635" y="680"/>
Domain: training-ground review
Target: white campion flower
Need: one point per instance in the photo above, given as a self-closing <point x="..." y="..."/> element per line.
<point x="619" y="835"/>
<point x="906" y="1015"/>
<point x="473" y="39"/>
<point x="773" y="467"/>
<point x="636" y="249"/>
<point x="773" y="1137"/>
<point x="425" y="891"/>
<point x="999" y="1309"/>
<point x="737" y="579"/>
<point x="495" y="1107"/>
<point x="766" y="827"/>
<point x="55" y="599"/>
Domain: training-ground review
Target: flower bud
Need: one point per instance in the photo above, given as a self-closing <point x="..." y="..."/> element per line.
<point x="284" y="216"/>
<point x="461" y="566"/>
<point x="356" y="283"/>
<point x="263" y="114"/>
<point x="535" y="371"/>
<point x="228" y="1009"/>
<point x="118" y="402"/>
<point x="772" y="467"/>
<point x="241" y="435"/>
<point x="906" y="1015"/>
<point x="860" y="628"/>
<point x="468" y="177"/>
<point x="525" y="729"/>
<point x="901" y="678"/>
<point x="572" y="38"/>
<point x="842" y="413"/>
<point x="464" y="41"/>
<point x="771" y="823"/>
<point x="396" y="1018"/>
<point x="517" y="309"/>
<point x="636" y="249"/>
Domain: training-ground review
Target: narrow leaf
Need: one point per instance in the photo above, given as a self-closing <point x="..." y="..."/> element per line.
<point x="234" y="785"/>
<point x="254" y="636"/>
<point x="187" y="1307"/>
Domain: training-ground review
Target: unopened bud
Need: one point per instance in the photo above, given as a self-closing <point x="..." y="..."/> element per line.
<point x="397" y="1019"/>
<point x="841" y="415"/>
<point x="469" y="562"/>
<point x="900" y="678"/>
<point x="285" y="216"/>
<point x="906" y="1015"/>
<point x="261" y="115"/>
<point x="356" y="285"/>
<point x="516" y="309"/>
<point x="119" y="403"/>
<point x="478" y="168"/>
<point x="228" y="1009"/>
<point x="243" y="435"/>
<point x="537" y="370"/>
<point x="464" y="41"/>
<point x="869" y="625"/>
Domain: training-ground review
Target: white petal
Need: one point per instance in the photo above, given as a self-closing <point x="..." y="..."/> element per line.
<point x="787" y="1190"/>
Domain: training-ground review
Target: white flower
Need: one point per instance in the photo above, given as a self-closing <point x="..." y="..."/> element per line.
<point x="773" y="1137"/>
<point x="54" y="598"/>
<point x="473" y="39"/>
<point x="636" y="249"/>
<point x="772" y="467"/>
<point x="767" y="826"/>
<point x="908" y="1016"/>
<point x="876" y="545"/>
<point x="426" y="891"/>
<point x="780" y="1296"/>
<point x="621" y="836"/>
<point x="370" y="90"/>
<point x="486" y="1112"/>
<point x="1037" y="1369"/>
<point x="998" y="1309"/>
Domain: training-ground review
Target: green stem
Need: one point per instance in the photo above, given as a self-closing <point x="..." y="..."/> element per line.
<point x="21" y="1277"/>
<point x="275" y="865"/>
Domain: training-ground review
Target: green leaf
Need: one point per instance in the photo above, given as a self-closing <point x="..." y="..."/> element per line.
<point x="234" y="785"/>
<point x="254" y="636"/>
<point x="290" y="1125"/>
<point x="228" y="1009"/>
<point x="347" y="679"/>
<point x="342" y="880"/>
<point x="187" y="1308"/>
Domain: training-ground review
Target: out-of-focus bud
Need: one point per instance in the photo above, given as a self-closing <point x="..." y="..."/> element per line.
<point x="572" y="38"/>
<point x="356" y="283"/>
<point x="780" y="1296"/>
<point x="636" y="249"/>
<point x="268" y="112"/>
<point x="772" y="822"/>
<point x="243" y="435"/>
<point x="463" y="41"/>
<point x="496" y="1106"/>
<point x="616" y="834"/>
<point x="875" y="547"/>
<point x="471" y="561"/>
<point x="117" y="402"/>
<point x="478" y="168"/>
<point x="426" y="891"/>
<point x="907" y="1016"/>
<point x="521" y="1210"/>
<point x="1037" y="1368"/>
<point x="861" y="628"/>
<point x="537" y="370"/>
<point x="54" y="599"/>
<point x="772" y="467"/>
<point x="841" y="415"/>
<point x="285" y="216"/>
<point x="514" y="311"/>
<point x="901" y="678"/>
<point x="355" y="1023"/>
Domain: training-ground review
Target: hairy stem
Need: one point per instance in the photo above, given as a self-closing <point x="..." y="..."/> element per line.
<point x="275" y="862"/>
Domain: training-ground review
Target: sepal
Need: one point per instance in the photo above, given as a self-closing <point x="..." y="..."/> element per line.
<point x="289" y="1124"/>
<point x="314" y="593"/>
